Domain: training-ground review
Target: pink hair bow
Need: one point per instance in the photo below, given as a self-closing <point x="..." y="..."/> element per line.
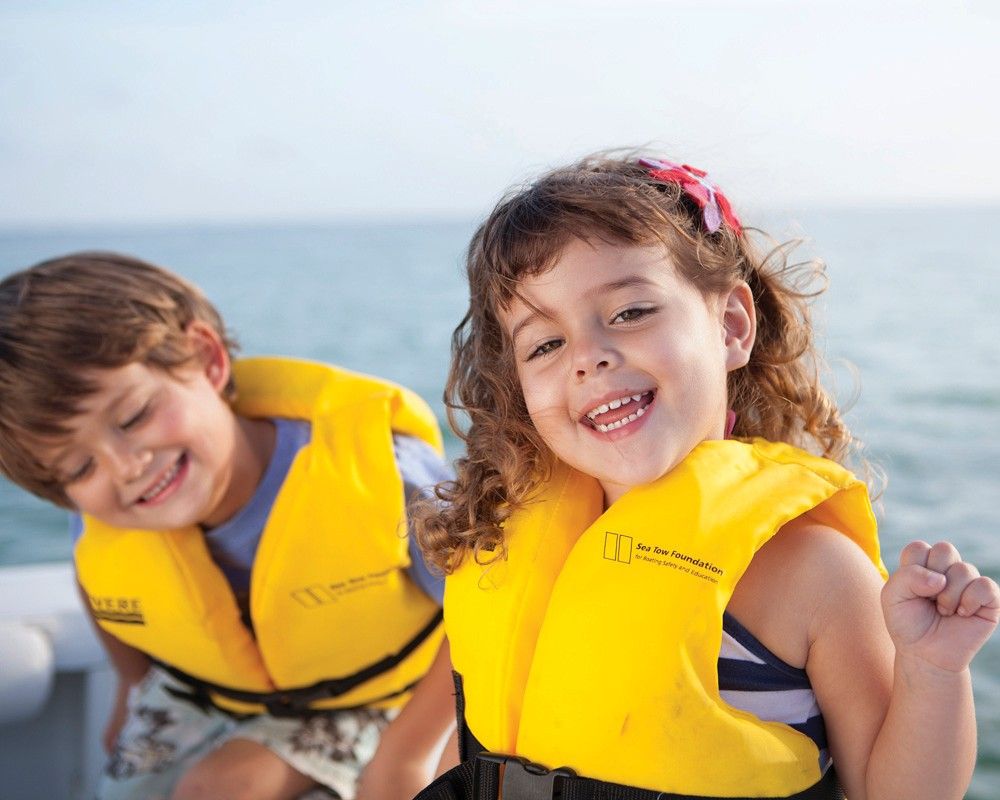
<point x="695" y="184"/>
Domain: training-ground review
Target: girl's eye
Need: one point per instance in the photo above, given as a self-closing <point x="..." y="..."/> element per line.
<point x="631" y="315"/>
<point x="81" y="473"/>
<point x="135" y="419"/>
<point x="544" y="348"/>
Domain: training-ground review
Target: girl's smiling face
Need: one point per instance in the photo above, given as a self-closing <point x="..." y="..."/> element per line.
<point x="623" y="361"/>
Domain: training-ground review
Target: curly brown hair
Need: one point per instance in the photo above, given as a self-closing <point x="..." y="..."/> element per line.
<point x="777" y="395"/>
<point x="64" y="317"/>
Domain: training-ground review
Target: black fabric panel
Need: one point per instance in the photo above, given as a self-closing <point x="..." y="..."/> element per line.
<point x="455" y="784"/>
<point x="468" y="745"/>
<point x="480" y="779"/>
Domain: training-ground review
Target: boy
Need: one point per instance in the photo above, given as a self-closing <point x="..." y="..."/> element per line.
<point x="191" y="474"/>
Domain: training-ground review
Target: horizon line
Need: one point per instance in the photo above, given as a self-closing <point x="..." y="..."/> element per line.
<point x="362" y="219"/>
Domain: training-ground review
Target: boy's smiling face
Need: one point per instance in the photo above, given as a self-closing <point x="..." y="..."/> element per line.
<point x="623" y="362"/>
<point x="153" y="449"/>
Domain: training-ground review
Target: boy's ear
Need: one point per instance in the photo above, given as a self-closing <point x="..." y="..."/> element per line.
<point x="739" y="323"/>
<point x="211" y="353"/>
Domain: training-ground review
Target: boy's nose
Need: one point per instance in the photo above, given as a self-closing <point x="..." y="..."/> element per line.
<point x="129" y="461"/>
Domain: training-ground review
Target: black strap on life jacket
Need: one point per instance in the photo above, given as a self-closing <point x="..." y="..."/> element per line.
<point x="297" y="701"/>
<point x="489" y="776"/>
<point x="468" y="744"/>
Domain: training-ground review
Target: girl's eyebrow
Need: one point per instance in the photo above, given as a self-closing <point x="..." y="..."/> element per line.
<point x="611" y="286"/>
<point x="532" y="317"/>
<point x="622" y="283"/>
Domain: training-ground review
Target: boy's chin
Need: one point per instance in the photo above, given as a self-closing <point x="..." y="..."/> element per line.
<point x="171" y="516"/>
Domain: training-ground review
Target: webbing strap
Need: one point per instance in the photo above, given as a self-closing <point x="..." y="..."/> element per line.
<point x="455" y="784"/>
<point x="481" y="778"/>
<point x="296" y="701"/>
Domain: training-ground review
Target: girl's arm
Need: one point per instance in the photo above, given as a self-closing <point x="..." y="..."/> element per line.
<point x="130" y="665"/>
<point x="939" y="612"/>
<point x="449" y="756"/>
<point x="895" y="688"/>
<point x="411" y="745"/>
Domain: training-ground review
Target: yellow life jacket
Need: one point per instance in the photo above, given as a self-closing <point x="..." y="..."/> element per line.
<point x="595" y="643"/>
<point x="336" y="620"/>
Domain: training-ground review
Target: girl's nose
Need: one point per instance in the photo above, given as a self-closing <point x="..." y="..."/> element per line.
<point x="593" y="354"/>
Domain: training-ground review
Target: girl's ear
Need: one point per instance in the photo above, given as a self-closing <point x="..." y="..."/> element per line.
<point x="739" y="323"/>
<point x="211" y="353"/>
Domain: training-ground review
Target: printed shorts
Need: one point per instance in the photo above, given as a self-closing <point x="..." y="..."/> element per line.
<point x="164" y="736"/>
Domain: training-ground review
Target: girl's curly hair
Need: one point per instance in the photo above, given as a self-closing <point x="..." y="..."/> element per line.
<point x="777" y="395"/>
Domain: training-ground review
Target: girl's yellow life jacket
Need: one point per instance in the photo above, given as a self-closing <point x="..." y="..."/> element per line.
<point x="329" y="595"/>
<point x="595" y="643"/>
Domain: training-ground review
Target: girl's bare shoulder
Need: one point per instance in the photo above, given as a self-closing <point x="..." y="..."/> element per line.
<point x="807" y="577"/>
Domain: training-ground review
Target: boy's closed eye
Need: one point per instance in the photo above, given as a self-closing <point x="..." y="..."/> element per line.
<point x="79" y="473"/>
<point x="136" y="417"/>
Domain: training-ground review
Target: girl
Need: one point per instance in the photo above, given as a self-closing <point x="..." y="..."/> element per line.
<point x="659" y="574"/>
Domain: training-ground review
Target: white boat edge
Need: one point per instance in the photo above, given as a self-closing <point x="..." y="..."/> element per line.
<point x="55" y="687"/>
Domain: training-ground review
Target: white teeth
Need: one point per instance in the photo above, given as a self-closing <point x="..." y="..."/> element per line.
<point x="622" y="422"/>
<point x="162" y="483"/>
<point x="605" y="407"/>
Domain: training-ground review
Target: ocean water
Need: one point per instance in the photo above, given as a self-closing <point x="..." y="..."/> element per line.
<point x="909" y="325"/>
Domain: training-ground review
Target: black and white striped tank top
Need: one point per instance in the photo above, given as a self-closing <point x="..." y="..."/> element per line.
<point x="753" y="679"/>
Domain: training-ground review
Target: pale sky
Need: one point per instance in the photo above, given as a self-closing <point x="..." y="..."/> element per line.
<point x="120" y="112"/>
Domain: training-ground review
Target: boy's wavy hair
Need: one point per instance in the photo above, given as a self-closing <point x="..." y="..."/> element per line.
<point x="63" y="318"/>
<point x="611" y="198"/>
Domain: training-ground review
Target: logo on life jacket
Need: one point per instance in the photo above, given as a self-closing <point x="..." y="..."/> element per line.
<point x="618" y="547"/>
<point x="319" y="594"/>
<point x="126" y="610"/>
<point x="672" y="559"/>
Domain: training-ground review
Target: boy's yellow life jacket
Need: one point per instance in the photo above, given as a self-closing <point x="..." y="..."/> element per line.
<point x="336" y="621"/>
<point x="595" y="644"/>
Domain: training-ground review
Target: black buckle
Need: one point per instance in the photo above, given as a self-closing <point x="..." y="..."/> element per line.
<point x="284" y="706"/>
<point x="524" y="780"/>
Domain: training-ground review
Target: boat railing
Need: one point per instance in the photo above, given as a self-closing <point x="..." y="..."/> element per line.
<point x="55" y="687"/>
